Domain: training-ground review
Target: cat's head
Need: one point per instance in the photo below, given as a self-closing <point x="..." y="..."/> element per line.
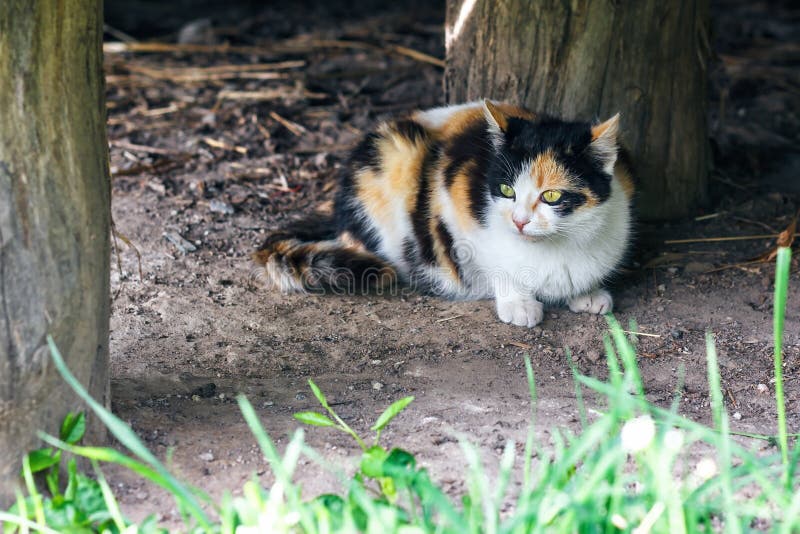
<point x="549" y="176"/>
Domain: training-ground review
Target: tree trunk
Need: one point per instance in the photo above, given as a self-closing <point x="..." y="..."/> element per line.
<point x="588" y="59"/>
<point x="54" y="218"/>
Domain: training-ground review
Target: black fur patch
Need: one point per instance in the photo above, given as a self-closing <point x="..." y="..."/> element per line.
<point x="570" y="201"/>
<point x="411" y="130"/>
<point x="350" y="271"/>
<point x="422" y="213"/>
<point x="473" y="145"/>
<point x="314" y="227"/>
<point x="366" y="154"/>
<point x="409" y="251"/>
<point x="446" y="239"/>
<point x="570" y="143"/>
<point x="348" y="217"/>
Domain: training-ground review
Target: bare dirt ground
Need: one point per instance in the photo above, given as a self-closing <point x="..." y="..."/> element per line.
<point x="206" y="160"/>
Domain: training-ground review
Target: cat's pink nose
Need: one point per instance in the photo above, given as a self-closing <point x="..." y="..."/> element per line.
<point x="520" y="223"/>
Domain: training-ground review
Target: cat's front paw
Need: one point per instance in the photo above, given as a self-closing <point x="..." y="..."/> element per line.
<point x="520" y="312"/>
<point x="598" y="301"/>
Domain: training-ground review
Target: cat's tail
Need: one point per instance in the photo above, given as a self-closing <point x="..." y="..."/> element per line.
<point x="308" y="255"/>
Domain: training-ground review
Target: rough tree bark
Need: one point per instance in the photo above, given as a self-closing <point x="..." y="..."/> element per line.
<point x="589" y="59"/>
<point x="54" y="218"/>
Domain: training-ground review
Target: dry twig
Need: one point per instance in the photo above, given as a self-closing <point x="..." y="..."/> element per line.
<point x="721" y="239"/>
<point x="225" y="146"/>
<point x="293" y="127"/>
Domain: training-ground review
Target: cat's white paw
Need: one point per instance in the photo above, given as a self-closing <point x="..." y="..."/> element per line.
<point x="598" y="301"/>
<point x="520" y="312"/>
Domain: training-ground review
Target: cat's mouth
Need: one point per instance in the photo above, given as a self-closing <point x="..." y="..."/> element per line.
<point x="532" y="238"/>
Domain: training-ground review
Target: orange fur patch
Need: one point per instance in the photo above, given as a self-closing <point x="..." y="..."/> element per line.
<point x="371" y="191"/>
<point x="461" y="121"/>
<point x="547" y="173"/>
<point x="261" y="256"/>
<point x="460" y="194"/>
<point x="398" y="182"/>
<point x="607" y="128"/>
<point x="591" y="199"/>
<point x="349" y="241"/>
<point x="510" y="110"/>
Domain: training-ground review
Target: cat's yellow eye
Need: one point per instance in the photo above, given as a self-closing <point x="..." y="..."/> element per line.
<point x="551" y="196"/>
<point x="507" y="191"/>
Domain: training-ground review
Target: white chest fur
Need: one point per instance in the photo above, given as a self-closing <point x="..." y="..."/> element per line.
<point x="552" y="269"/>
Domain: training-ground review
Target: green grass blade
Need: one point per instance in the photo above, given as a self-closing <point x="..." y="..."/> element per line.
<point x="391" y="412"/>
<point x="22" y="508"/>
<point x="129" y="439"/>
<point x="108" y="497"/>
<point x="779" y="313"/>
<point x="73" y="427"/>
<point x="504" y="474"/>
<point x="112" y="456"/>
<point x="292" y="453"/>
<point x="342" y="425"/>
<point x="318" y="394"/>
<point x="275" y="461"/>
<point x="724" y="442"/>
<point x="578" y="390"/>
<point x="314" y="419"/>
<point x="26" y="524"/>
<point x="36" y="497"/>
<point x="263" y="440"/>
<point x="627" y="354"/>
<point x="790" y="518"/>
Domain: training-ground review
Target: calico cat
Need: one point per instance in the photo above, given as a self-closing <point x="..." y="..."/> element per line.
<point x="474" y="201"/>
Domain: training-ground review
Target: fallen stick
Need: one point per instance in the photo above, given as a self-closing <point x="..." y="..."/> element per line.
<point x="124" y="145"/>
<point x="417" y="55"/>
<point x="274" y="48"/>
<point x="721" y="239"/>
<point x="225" y="146"/>
<point x="293" y="127"/>
<point x="220" y="72"/>
<point x="268" y="94"/>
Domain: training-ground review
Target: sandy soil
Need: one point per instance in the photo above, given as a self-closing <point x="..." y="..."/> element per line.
<point x="197" y="328"/>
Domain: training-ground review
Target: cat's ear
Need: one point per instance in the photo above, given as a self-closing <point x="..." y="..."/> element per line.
<point x="604" y="142"/>
<point x="496" y="119"/>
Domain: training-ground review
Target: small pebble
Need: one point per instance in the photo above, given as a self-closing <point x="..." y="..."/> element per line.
<point x="206" y="456"/>
<point x="377" y="386"/>
<point x="593" y="356"/>
<point x="762" y="388"/>
<point x="375" y="362"/>
<point x="300" y="396"/>
<point x="219" y="206"/>
<point x="737" y="416"/>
